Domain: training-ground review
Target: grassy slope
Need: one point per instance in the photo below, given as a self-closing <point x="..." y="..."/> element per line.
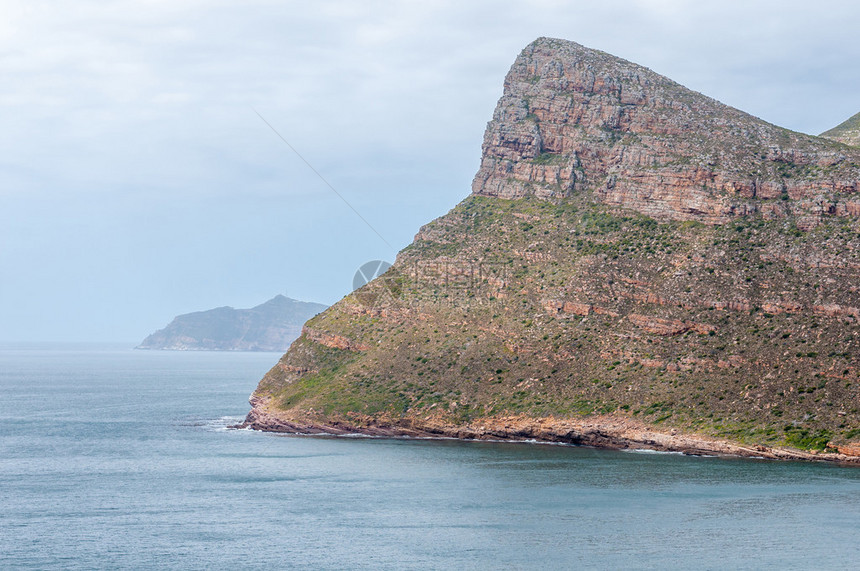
<point x="474" y="346"/>
<point x="847" y="132"/>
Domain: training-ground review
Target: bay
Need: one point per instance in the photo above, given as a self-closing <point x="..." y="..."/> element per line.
<point x="113" y="458"/>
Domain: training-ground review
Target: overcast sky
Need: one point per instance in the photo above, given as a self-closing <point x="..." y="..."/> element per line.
<point x="137" y="182"/>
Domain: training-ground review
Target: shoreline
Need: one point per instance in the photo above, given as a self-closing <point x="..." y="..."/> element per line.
<point x="604" y="432"/>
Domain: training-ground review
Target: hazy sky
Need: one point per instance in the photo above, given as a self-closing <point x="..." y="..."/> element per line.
<point x="137" y="182"/>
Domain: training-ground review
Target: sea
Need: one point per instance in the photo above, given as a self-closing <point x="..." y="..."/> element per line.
<point x="112" y="458"/>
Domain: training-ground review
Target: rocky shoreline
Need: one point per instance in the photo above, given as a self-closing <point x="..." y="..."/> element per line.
<point x="605" y="431"/>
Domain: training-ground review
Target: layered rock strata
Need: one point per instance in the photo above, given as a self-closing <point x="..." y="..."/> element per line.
<point x="574" y="120"/>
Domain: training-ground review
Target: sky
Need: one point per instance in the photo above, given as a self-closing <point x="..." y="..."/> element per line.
<point x="138" y="180"/>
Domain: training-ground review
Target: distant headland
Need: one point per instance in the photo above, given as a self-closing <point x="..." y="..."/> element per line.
<point x="270" y="326"/>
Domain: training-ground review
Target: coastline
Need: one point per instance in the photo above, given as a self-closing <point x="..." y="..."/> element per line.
<point x="604" y="431"/>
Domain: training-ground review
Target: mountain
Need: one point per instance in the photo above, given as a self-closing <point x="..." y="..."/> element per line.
<point x="270" y="326"/>
<point x="638" y="265"/>
<point x="847" y="132"/>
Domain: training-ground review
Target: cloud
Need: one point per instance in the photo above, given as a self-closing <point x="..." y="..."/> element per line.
<point x="97" y="84"/>
<point x="130" y="123"/>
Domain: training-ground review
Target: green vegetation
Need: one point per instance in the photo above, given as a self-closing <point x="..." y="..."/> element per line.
<point x="549" y="159"/>
<point x="847" y="132"/>
<point x="469" y="333"/>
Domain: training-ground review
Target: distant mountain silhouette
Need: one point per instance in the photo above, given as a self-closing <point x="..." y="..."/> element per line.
<point x="270" y="326"/>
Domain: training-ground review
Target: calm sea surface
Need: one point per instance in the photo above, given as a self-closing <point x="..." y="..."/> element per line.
<point x="113" y="458"/>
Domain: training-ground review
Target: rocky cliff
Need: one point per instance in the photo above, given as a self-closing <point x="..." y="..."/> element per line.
<point x="637" y="265"/>
<point x="270" y="326"/>
<point x="573" y="119"/>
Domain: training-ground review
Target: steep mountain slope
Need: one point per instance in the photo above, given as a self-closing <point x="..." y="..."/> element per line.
<point x="270" y="326"/>
<point x="847" y="132"/>
<point x="638" y="265"/>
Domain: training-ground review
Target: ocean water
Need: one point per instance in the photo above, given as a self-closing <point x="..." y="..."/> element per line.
<point x="119" y="459"/>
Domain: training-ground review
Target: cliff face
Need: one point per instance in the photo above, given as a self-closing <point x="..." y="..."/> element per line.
<point x="270" y="326"/>
<point x="638" y="265"/>
<point x="574" y="120"/>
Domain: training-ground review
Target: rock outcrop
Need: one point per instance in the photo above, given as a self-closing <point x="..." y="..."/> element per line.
<point x="573" y="120"/>
<point x="270" y="326"/>
<point x="638" y="265"/>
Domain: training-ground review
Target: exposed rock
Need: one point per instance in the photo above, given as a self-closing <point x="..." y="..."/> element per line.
<point x="574" y="119"/>
<point x="559" y="307"/>
<point x="333" y="341"/>
<point x="604" y="431"/>
<point x="660" y="326"/>
<point x="852" y="449"/>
